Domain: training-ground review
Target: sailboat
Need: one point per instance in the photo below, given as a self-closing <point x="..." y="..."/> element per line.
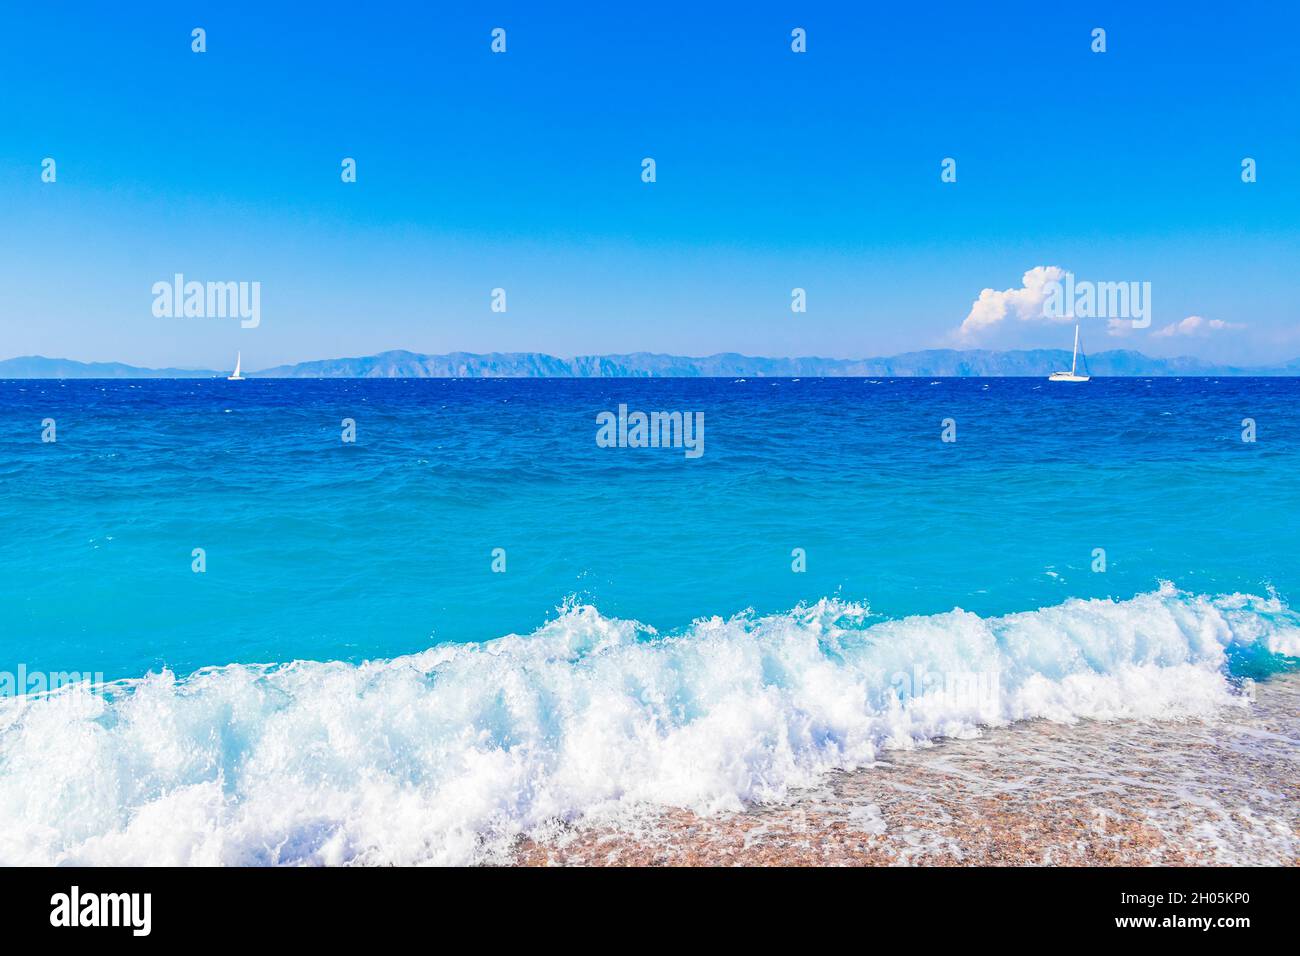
<point x="1072" y="375"/>
<point x="236" y="377"/>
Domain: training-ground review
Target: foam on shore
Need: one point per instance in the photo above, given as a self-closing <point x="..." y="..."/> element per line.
<point x="449" y="755"/>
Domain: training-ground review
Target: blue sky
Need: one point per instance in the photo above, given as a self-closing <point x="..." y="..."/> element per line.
<point x="522" y="171"/>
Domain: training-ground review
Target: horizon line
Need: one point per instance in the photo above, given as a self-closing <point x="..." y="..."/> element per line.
<point x="405" y="363"/>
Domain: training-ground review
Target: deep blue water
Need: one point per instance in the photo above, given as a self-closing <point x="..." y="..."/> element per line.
<point x="322" y="550"/>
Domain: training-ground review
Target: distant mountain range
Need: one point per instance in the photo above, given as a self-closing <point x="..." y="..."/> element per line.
<point x="939" y="363"/>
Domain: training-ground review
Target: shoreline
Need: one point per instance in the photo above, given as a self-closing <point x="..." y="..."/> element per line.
<point x="1217" y="792"/>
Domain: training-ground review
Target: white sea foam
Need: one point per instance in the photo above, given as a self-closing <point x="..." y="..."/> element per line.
<point x="448" y="755"/>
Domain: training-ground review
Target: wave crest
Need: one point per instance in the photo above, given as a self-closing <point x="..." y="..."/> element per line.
<point x="448" y="755"/>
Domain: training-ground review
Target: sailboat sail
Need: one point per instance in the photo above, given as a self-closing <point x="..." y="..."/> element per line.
<point x="1073" y="374"/>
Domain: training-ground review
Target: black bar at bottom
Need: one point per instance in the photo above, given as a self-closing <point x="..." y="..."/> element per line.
<point x="548" y="907"/>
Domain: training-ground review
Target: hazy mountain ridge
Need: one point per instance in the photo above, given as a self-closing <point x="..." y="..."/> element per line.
<point x="939" y="363"/>
<point x="38" y="366"/>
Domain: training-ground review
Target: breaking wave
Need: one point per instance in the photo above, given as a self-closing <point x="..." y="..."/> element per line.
<point x="449" y="755"/>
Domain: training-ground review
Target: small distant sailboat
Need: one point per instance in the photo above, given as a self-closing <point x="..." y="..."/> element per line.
<point x="1072" y="375"/>
<point x="236" y="377"/>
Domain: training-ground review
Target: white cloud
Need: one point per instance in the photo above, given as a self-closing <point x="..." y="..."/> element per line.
<point x="1025" y="303"/>
<point x="1194" y="325"/>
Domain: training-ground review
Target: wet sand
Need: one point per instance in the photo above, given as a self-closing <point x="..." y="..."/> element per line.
<point x="1206" y="792"/>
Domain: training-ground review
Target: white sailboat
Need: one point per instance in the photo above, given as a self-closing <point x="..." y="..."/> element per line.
<point x="1072" y="375"/>
<point x="236" y="377"/>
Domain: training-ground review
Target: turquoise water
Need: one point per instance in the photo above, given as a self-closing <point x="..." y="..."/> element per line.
<point x="348" y="680"/>
<point x="321" y="550"/>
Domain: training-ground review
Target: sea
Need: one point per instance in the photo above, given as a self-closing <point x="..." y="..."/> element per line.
<point x="284" y="621"/>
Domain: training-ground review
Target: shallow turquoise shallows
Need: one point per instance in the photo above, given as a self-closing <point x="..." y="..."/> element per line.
<point x="321" y="549"/>
<point x="349" y="680"/>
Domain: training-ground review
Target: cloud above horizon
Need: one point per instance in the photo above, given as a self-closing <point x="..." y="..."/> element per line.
<point x="1024" y="304"/>
<point x="1194" y="326"/>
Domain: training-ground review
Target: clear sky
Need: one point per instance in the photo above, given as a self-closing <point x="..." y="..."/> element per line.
<point x="522" y="171"/>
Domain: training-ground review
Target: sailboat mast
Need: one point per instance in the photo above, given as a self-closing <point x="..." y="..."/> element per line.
<point x="1075" y="360"/>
